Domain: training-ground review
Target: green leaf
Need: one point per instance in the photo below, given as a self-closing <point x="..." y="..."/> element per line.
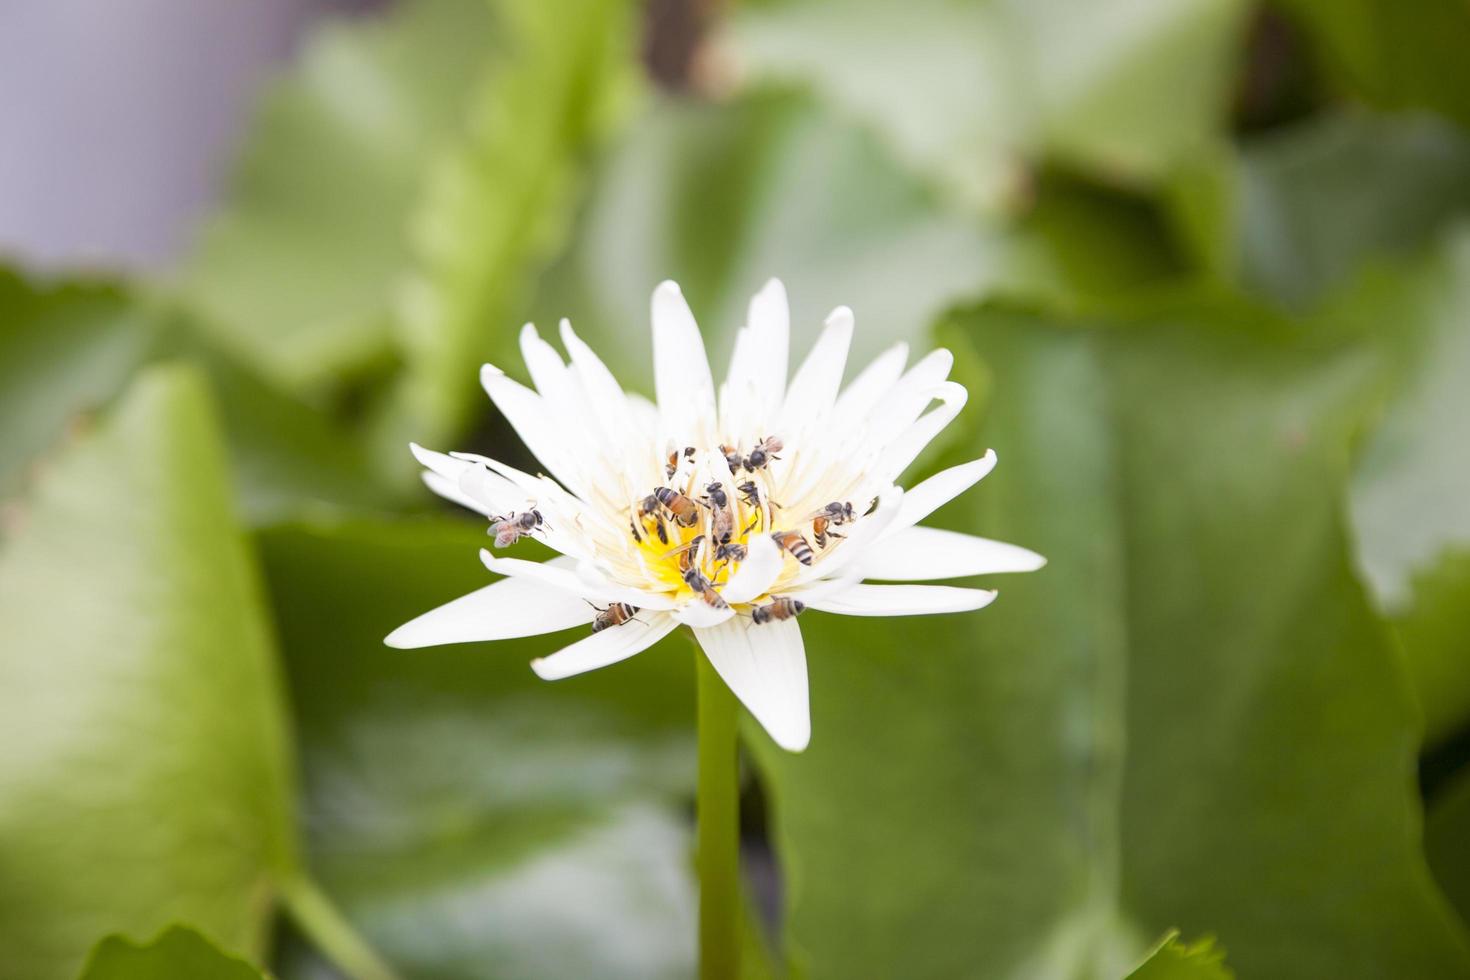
<point x="498" y="208"/>
<point x="287" y="457"/>
<point x="966" y="92"/>
<point x="1446" y="843"/>
<point x="1435" y="633"/>
<point x="1162" y="726"/>
<point x="1409" y="502"/>
<point x="1173" y="960"/>
<point x="145" y="776"/>
<point x="297" y="273"/>
<point x="1410" y="509"/>
<point x="469" y="818"/>
<point x="175" y="954"/>
<point x="1396" y="55"/>
<point x="1314" y="202"/>
<point x="66" y="350"/>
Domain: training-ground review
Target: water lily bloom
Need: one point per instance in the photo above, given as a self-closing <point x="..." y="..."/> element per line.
<point x="728" y="510"/>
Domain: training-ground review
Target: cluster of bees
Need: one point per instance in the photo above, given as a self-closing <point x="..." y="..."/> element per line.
<point x="665" y="505"/>
<point x="779" y="608"/>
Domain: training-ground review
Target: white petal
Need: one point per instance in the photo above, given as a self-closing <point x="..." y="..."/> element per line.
<point x="766" y="668"/>
<point x="769" y="323"/>
<point x="918" y="553"/>
<point x="681" y="374"/>
<point x="814" y="389"/>
<point x="450" y="477"/>
<point x="543" y="362"/>
<point x="563" y="511"/>
<point x="851" y="548"/>
<point x="591" y="433"/>
<point x="902" y="403"/>
<point x="535" y="423"/>
<point x="701" y="614"/>
<point x="632" y="444"/>
<point x="597" y="583"/>
<point x="494" y="492"/>
<point x="607" y="647"/>
<point x="901" y="600"/>
<point x="510" y="608"/>
<point x="601" y="385"/>
<point x="859" y="397"/>
<point x="925" y="498"/>
<point x="762" y="564"/>
<point x="739" y="401"/>
<point x="907" y="447"/>
<point x="824" y="586"/>
<point x="448" y="467"/>
<point x="451" y="491"/>
<point x="643" y="412"/>
<point x="566" y="579"/>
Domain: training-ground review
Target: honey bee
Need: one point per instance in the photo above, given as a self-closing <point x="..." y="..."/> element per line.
<point x="765" y="450"/>
<point x="730" y="551"/>
<point x="616" y="614"/>
<point x="688" y="553"/>
<point x="696" y="581"/>
<point x="793" y="542"/>
<point x="723" y="524"/>
<point x="672" y="466"/>
<point x="682" y="509"/>
<point x="780" y="608"/>
<point x="750" y="493"/>
<point x="512" y="527"/>
<point x="732" y="458"/>
<point x="648" y="507"/>
<point x="835" y="513"/>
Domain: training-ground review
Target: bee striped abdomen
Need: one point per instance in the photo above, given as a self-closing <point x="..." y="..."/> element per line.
<point x="616" y="614"/>
<point x="793" y="542"/>
<point x="780" y="608"/>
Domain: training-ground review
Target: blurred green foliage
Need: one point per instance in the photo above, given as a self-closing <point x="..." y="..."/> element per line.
<point x="177" y="952"/>
<point x="468" y="815"/>
<point x="1205" y="267"/>
<point x="154" y="780"/>
<point x="1173" y="960"/>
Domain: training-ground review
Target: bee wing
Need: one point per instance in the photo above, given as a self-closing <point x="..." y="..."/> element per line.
<point x="694" y="542"/>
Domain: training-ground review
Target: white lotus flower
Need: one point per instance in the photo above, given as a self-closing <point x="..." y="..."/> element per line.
<point x="607" y="451"/>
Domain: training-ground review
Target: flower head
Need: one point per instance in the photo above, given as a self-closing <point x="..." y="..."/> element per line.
<point x="729" y="511"/>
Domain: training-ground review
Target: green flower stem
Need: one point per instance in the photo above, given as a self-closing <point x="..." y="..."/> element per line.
<point x="718" y="814"/>
<point x="319" y="920"/>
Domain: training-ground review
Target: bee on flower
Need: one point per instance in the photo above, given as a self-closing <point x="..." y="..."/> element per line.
<point x="683" y="538"/>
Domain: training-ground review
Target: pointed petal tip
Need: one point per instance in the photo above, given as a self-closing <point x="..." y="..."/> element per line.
<point x="841" y="315"/>
<point x="772" y="289"/>
<point x="538" y="666"/>
<point x="426" y="457"/>
<point x="794" y="741"/>
<point x="667" y="288"/>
